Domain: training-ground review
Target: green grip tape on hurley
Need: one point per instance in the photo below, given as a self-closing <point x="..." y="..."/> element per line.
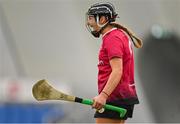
<point x="122" y="111"/>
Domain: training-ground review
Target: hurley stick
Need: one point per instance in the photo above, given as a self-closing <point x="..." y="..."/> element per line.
<point x="43" y="91"/>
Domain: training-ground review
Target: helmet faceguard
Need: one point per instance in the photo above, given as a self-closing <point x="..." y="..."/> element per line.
<point x="98" y="10"/>
<point x="90" y="28"/>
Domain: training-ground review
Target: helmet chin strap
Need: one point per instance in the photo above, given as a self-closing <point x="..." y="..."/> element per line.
<point x="101" y="26"/>
<point x="97" y="33"/>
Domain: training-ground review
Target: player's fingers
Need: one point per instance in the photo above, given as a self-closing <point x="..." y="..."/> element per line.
<point x="99" y="106"/>
<point x="94" y="103"/>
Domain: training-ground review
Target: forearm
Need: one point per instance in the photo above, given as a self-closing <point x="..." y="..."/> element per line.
<point x="112" y="82"/>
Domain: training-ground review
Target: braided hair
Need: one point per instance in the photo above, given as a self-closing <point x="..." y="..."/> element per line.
<point x="138" y="43"/>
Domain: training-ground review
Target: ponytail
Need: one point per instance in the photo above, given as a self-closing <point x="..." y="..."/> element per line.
<point x="138" y="43"/>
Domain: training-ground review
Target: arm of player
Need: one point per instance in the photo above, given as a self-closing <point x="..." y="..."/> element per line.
<point x="114" y="79"/>
<point x="115" y="76"/>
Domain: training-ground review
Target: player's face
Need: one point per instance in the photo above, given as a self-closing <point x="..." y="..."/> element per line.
<point x="91" y="22"/>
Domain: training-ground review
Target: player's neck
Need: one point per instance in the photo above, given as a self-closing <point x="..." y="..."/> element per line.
<point x="108" y="28"/>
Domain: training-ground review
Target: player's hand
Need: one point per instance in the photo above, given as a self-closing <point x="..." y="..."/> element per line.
<point x="99" y="101"/>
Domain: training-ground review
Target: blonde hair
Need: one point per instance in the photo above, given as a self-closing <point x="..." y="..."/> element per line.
<point x="138" y="43"/>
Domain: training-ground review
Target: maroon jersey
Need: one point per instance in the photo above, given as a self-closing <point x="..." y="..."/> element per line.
<point x="116" y="43"/>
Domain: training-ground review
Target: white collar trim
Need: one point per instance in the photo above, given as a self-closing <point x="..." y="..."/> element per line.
<point x="109" y="31"/>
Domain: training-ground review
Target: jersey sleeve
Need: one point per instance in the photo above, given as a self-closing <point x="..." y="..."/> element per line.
<point x="114" y="47"/>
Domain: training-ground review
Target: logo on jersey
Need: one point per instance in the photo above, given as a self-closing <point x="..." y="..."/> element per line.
<point x="101" y="62"/>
